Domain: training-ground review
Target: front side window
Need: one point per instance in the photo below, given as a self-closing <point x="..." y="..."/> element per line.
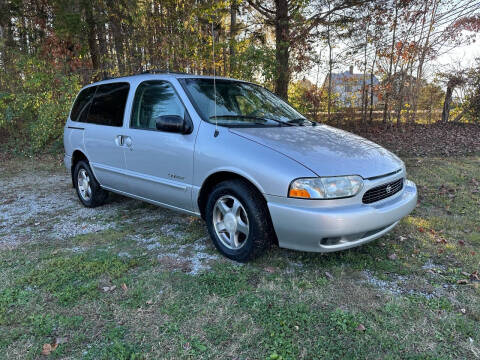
<point x="109" y="104"/>
<point x="152" y="100"/>
<point x="82" y="104"/>
<point x="240" y="104"/>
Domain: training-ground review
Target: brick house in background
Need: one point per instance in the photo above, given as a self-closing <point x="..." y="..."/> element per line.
<point x="347" y="88"/>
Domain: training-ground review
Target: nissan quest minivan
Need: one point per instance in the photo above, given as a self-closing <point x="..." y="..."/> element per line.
<point x="232" y="152"/>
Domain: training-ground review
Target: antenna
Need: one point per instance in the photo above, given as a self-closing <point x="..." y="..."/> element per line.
<point x="215" y="134"/>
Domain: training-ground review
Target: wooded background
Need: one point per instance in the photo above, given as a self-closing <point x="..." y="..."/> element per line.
<point x="50" y="48"/>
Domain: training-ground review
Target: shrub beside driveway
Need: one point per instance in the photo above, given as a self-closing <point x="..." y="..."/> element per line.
<point x="130" y="280"/>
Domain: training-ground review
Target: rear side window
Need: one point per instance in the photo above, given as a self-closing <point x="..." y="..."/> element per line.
<point x="109" y="104"/>
<point x="82" y="104"/>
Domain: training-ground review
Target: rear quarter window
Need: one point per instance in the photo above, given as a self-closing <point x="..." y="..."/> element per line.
<point x="82" y="104"/>
<point x="108" y="105"/>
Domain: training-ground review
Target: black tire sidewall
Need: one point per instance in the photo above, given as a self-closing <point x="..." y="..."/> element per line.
<point x="97" y="196"/>
<point x="256" y="240"/>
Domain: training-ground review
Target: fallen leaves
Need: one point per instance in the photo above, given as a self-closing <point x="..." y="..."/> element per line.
<point x="475" y="276"/>
<point x="108" y="288"/>
<point x="393" y="256"/>
<point x="61" y="340"/>
<point x="328" y="275"/>
<point x="360" y="327"/>
<point x="124" y="287"/>
<point x="422" y="139"/>
<point x="441" y="241"/>
<point x="269" y="269"/>
<point x="48" y="348"/>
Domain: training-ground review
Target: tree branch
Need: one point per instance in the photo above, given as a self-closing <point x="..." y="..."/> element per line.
<point x="269" y="14"/>
<point x="320" y="17"/>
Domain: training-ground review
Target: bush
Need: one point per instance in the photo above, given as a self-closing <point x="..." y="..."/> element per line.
<point x="35" y="107"/>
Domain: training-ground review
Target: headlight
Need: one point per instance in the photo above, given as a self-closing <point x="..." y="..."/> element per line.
<point x="326" y="187"/>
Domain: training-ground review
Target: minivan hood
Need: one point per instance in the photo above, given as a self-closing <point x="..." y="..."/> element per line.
<point x="325" y="150"/>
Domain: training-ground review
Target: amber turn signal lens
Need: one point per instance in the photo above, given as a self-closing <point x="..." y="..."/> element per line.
<point x="299" y="193"/>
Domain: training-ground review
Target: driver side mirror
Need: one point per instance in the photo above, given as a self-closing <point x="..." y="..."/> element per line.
<point x="173" y="123"/>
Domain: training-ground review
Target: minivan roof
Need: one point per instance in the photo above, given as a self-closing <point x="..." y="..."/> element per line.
<point x="160" y="75"/>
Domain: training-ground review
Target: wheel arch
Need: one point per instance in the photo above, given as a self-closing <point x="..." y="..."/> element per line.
<point x="217" y="177"/>
<point x="77" y="156"/>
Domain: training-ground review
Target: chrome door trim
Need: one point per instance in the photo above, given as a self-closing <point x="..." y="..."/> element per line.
<point x="137" y="175"/>
<point x="154" y="202"/>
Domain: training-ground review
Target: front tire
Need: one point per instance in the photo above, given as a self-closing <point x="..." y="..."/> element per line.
<point x="238" y="220"/>
<point x="88" y="189"/>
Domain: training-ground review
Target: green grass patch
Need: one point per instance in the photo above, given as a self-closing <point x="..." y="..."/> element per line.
<point x="69" y="278"/>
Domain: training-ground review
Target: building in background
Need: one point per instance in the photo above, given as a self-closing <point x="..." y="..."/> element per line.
<point x="347" y="87"/>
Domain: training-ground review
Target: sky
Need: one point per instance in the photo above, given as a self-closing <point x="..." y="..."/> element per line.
<point x="458" y="57"/>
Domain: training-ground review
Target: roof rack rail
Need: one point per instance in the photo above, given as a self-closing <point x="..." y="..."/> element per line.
<point x="162" y="71"/>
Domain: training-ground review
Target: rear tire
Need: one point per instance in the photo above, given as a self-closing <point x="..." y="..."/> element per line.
<point x="88" y="189"/>
<point x="238" y="220"/>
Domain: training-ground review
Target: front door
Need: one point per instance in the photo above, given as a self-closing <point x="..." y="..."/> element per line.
<point x="159" y="164"/>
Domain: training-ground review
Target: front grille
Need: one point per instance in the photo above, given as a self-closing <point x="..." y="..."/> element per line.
<point x="382" y="191"/>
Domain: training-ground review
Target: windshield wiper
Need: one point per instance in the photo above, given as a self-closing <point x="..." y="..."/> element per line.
<point x="301" y="121"/>
<point x="250" y="117"/>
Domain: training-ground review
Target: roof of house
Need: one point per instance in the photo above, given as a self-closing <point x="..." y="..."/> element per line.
<point x="350" y="78"/>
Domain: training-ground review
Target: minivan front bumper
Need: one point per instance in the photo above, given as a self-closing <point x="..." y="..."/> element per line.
<point x="326" y="229"/>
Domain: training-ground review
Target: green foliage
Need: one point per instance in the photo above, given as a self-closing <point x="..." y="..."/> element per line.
<point x="34" y="111"/>
<point x="343" y="320"/>
<point x="311" y="99"/>
<point x="472" y="98"/>
<point x="255" y="62"/>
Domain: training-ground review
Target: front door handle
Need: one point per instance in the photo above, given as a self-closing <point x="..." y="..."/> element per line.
<point x="119" y="140"/>
<point x="124" y="140"/>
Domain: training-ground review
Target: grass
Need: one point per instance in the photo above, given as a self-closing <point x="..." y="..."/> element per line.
<point x="285" y="305"/>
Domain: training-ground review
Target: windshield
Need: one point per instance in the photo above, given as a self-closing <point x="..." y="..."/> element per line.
<point x="240" y="104"/>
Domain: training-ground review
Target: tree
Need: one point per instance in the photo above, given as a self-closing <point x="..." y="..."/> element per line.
<point x="471" y="105"/>
<point x="294" y="21"/>
<point x="454" y="80"/>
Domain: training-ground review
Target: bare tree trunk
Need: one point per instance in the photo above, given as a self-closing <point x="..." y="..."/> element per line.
<point x="371" y="88"/>
<point x="446" y="103"/>
<point x="282" y="48"/>
<point x="330" y="65"/>
<point x="102" y="46"/>
<point x="364" y="90"/>
<point x="117" y="35"/>
<point x="389" y="75"/>
<point x="459" y="116"/>
<point x="421" y="61"/>
<point x="91" y="35"/>
<point x="400" y="99"/>
<point x="233" y="34"/>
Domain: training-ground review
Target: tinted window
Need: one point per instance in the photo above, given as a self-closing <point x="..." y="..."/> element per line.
<point x="154" y="99"/>
<point x="109" y="104"/>
<point x="82" y="104"/>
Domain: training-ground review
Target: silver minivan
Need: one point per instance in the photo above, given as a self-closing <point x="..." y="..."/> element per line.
<point x="235" y="154"/>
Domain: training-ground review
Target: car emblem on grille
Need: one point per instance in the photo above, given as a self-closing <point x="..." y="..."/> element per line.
<point x="388" y="189"/>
